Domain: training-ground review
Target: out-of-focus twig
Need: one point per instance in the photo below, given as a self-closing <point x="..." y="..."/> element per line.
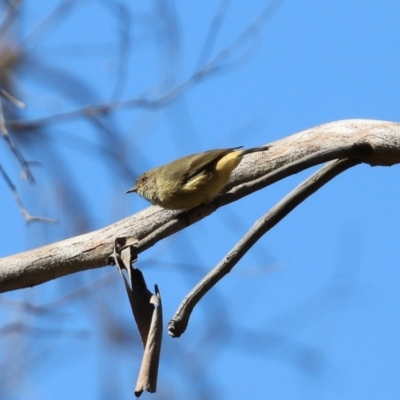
<point x="12" y="99"/>
<point x="123" y="20"/>
<point x="8" y="17"/>
<point x="212" y="34"/>
<point x="26" y="171"/>
<point x="55" y="17"/>
<point x="28" y="217"/>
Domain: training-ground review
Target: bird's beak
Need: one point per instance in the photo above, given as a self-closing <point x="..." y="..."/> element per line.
<point x="133" y="190"/>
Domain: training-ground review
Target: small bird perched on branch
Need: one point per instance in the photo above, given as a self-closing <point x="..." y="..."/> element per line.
<point x="192" y="180"/>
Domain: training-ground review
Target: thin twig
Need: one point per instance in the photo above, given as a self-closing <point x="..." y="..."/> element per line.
<point x="221" y="59"/>
<point x="26" y="171"/>
<point x="50" y="22"/>
<point x="121" y="13"/>
<point x="168" y="38"/>
<point x="12" y="99"/>
<point x="180" y="320"/>
<point x="212" y="34"/>
<point x="29" y="218"/>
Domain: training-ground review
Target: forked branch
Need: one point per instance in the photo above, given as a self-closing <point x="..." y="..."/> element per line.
<point x="371" y="142"/>
<point x="180" y="320"/>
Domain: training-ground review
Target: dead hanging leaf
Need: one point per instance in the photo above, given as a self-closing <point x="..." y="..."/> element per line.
<point x="148" y="374"/>
<point x="147" y="311"/>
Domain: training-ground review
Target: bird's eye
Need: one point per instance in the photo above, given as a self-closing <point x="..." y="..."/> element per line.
<point x="145" y="179"/>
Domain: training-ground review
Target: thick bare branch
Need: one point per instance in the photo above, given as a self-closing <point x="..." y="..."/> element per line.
<point x="375" y="142"/>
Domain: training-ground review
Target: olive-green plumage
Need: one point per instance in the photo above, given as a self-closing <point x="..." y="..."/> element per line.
<point x="192" y="180"/>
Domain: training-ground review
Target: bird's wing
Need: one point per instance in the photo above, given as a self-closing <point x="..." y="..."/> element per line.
<point x="202" y="162"/>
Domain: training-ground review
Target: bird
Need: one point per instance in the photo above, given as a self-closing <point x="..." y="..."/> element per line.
<point x="191" y="180"/>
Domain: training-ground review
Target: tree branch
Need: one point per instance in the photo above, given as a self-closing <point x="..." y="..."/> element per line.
<point x="374" y="142"/>
<point x="180" y="320"/>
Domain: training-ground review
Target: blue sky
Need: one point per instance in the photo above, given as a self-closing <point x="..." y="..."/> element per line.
<point x="312" y="311"/>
